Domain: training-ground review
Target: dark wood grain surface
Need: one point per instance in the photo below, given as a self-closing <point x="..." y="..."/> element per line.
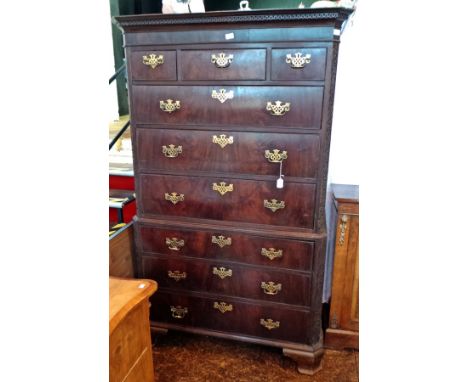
<point x="248" y="107"/>
<point x="243" y="281"/>
<point x="242" y="248"/>
<point x="243" y="319"/>
<point x="247" y="64"/>
<point x="244" y="204"/>
<point x="245" y="155"/>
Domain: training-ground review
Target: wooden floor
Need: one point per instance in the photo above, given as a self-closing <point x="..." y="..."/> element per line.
<point x="181" y="357"/>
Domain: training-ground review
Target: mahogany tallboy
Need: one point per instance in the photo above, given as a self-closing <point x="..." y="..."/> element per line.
<point x="221" y="103"/>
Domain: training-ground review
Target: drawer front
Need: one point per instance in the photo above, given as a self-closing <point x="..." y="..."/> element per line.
<point x="233" y="280"/>
<point x="233" y="200"/>
<point x="220" y="64"/>
<point x="298" y="64"/>
<point x="195" y="105"/>
<point x="230" y="152"/>
<point x="244" y="318"/>
<point x="257" y="250"/>
<point x="153" y="65"/>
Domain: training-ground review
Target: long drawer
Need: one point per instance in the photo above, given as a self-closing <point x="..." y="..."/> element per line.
<point x="257" y="250"/>
<point x="272" y="322"/>
<point x="230" y="152"/>
<point x="228" y="199"/>
<point x="280" y="106"/>
<point x="227" y="279"/>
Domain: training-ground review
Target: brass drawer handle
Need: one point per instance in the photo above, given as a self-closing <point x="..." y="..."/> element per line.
<point x="221" y="241"/>
<point x="171" y="151"/>
<point x="277" y="108"/>
<point x="276" y="156"/>
<point x="153" y="60"/>
<point x="178" y="311"/>
<point x="272" y="253"/>
<point x="269" y="323"/>
<point x="174" y="198"/>
<point x="222" y="188"/>
<point x="222" y="95"/>
<point x="223" y="307"/>
<point x="177" y="275"/>
<point x="297" y="61"/>
<point x="270" y="287"/>
<point x="274" y="205"/>
<point x="223" y="141"/>
<point x="222" y="272"/>
<point x="174" y="244"/>
<point x="169" y="105"/>
<point x="222" y="60"/>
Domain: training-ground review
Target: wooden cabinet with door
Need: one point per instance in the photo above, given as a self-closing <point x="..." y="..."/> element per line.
<point x="343" y="329"/>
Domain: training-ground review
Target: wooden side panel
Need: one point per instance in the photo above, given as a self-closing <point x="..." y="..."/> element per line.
<point x="127" y="344"/>
<point x="350" y="303"/>
<point x="120" y="254"/>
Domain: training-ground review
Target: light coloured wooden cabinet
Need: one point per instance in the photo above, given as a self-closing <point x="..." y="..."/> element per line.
<point x="130" y="350"/>
<point x="343" y="328"/>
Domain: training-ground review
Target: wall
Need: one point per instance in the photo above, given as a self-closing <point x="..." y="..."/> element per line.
<point x="345" y="141"/>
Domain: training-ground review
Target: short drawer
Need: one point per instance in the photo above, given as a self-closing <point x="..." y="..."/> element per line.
<point x="233" y="280"/>
<point x="228" y="199"/>
<point x="278" y="253"/>
<point x="229" y="152"/>
<point x="153" y="65"/>
<point x="298" y="64"/>
<point x="280" y="106"/>
<point x="220" y="64"/>
<point x="227" y="315"/>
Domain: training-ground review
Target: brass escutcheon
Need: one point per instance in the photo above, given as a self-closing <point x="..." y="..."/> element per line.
<point x="222" y="272"/>
<point x="276" y="156"/>
<point x="221" y="241"/>
<point x="222" y="188"/>
<point x="173" y="197"/>
<point x="171" y="151"/>
<point x="153" y="60"/>
<point x="178" y="311"/>
<point x="270" y="287"/>
<point x="223" y="141"/>
<point x="177" y="275"/>
<point x="274" y="205"/>
<point x="297" y="61"/>
<point x="174" y="244"/>
<point x="169" y="105"/>
<point x="222" y="60"/>
<point x="223" y="307"/>
<point x="269" y="323"/>
<point x="277" y="108"/>
<point x="222" y="95"/>
<point x="272" y="253"/>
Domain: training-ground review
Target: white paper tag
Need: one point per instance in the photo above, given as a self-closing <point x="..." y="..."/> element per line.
<point x="279" y="183"/>
<point x="229" y="36"/>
